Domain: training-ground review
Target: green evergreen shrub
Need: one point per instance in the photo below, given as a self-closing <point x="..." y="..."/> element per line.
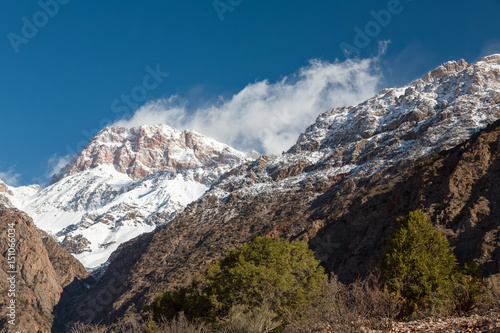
<point x="419" y="267"/>
<point x="277" y="275"/>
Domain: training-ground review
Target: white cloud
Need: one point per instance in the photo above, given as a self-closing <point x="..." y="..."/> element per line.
<point x="269" y="117"/>
<point x="9" y="177"/>
<point x="56" y="163"/>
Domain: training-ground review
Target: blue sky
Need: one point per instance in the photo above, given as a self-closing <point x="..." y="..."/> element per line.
<point x="65" y="79"/>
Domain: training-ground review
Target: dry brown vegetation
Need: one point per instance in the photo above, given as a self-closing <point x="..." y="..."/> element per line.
<point x="358" y="307"/>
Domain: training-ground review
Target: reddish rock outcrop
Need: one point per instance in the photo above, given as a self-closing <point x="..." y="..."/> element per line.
<point x="142" y="151"/>
<point x="4" y="188"/>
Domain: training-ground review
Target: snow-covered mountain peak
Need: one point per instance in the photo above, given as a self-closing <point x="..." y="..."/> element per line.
<point x="124" y="183"/>
<point x="435" y="112"/>
<point x="144" y="150"/>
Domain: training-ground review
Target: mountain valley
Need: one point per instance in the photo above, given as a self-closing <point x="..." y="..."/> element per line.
<point x="146" y="208"/>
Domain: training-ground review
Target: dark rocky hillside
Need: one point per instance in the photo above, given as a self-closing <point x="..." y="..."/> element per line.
<point x="458" y="189"/>
<point x="346" y="225"/>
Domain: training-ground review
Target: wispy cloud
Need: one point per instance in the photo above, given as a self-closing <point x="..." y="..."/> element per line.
<point x="9" y="177"/>
<point x="492" y="47"/>
<point x="56" y="163"/>
<point x="268" y="117"/>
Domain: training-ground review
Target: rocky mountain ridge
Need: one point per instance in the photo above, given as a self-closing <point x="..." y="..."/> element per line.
<point x="434" y="113"/>
<point x="128" y="181"/>
<point x="4" y="188"/>
<point x="142" y="151"/>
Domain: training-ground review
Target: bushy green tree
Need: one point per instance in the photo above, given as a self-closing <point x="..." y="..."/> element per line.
<point x="276" y="274"/>
<point x="419" y="266"/>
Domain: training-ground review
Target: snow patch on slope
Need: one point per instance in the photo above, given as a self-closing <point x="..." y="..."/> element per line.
<point x="102" y="208"/>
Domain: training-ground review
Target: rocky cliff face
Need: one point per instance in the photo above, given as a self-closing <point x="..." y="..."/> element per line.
<point x="40" y="270"/>
<point x="343" y="184"/>
<point x="457" y="189"/>
<point x="4" y="188"/>
<point x="142" y="151"/>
